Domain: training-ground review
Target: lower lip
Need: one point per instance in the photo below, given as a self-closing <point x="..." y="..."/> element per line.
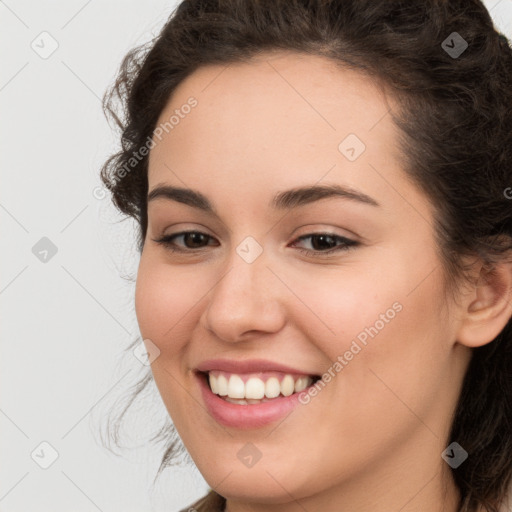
<point x="246" y="416"/>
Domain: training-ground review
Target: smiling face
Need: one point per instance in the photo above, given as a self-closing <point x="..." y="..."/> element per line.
<point x="244" y="289"/>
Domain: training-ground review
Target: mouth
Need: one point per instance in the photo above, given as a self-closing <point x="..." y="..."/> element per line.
<point x="255" y="388"/>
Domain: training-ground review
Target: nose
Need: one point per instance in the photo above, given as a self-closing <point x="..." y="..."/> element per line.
<point x="246" y="302"/>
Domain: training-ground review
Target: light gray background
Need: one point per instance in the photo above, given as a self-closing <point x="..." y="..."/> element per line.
<point x="66" y="321"/>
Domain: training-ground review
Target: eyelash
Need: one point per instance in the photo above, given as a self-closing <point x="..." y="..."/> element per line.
<point x="346" y="244"/>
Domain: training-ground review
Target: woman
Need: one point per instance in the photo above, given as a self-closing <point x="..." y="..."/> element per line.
<point x="325" y="281"/>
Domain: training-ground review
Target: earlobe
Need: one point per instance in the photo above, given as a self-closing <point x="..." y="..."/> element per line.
<point x="489" y="306"/>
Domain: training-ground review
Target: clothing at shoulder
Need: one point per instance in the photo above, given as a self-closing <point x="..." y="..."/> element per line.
<point x="212" y="502"/>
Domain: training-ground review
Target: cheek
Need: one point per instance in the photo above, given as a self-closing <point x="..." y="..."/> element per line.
<point x="392" y="344"/>
<point x="388" y="322"/>
<point x="163" y="297"/>
<point x="338" y="305"/>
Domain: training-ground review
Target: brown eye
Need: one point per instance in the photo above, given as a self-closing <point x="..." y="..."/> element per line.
<point x="325" y="243"/>
<point x="194" y="239"/>
<point x="191" y="240"/>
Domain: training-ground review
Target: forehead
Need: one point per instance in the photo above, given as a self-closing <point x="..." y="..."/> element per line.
<point x="278" y="118"/>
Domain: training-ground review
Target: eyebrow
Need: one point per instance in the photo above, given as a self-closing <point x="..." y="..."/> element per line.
<point x="285" y="200"/>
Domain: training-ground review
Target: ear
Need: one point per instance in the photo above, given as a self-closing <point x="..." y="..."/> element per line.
<point x="488" y="307"/>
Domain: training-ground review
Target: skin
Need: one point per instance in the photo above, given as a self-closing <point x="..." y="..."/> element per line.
<point x="372" y="438"/>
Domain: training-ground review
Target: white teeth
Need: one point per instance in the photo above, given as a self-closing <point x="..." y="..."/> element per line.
<point x="256" y="390"/>
<point x="236" y="401"/>
<point x="222" y="385"/>
<point x="236" y="387"/>
<point x="272" y="387"/>
<point x="250" y="401"/>
<point x="287" y="385"/>
<point x="213" y="384"/>
<point x="301" y="384"/>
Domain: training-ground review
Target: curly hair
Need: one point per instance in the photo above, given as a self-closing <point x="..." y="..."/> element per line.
<point x="455" y="125"/>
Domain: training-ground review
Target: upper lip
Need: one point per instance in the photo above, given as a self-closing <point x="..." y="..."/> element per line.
<point x="248" y="366"/>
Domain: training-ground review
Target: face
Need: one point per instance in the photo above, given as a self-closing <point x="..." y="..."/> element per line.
<point x="274" y="281"/>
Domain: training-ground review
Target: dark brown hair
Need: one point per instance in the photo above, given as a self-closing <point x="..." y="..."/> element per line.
<point x="455" y="122"/>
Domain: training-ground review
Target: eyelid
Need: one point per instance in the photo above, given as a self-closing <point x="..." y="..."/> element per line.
<point x="324" y="229"/>
<point x="347" y="243"/>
